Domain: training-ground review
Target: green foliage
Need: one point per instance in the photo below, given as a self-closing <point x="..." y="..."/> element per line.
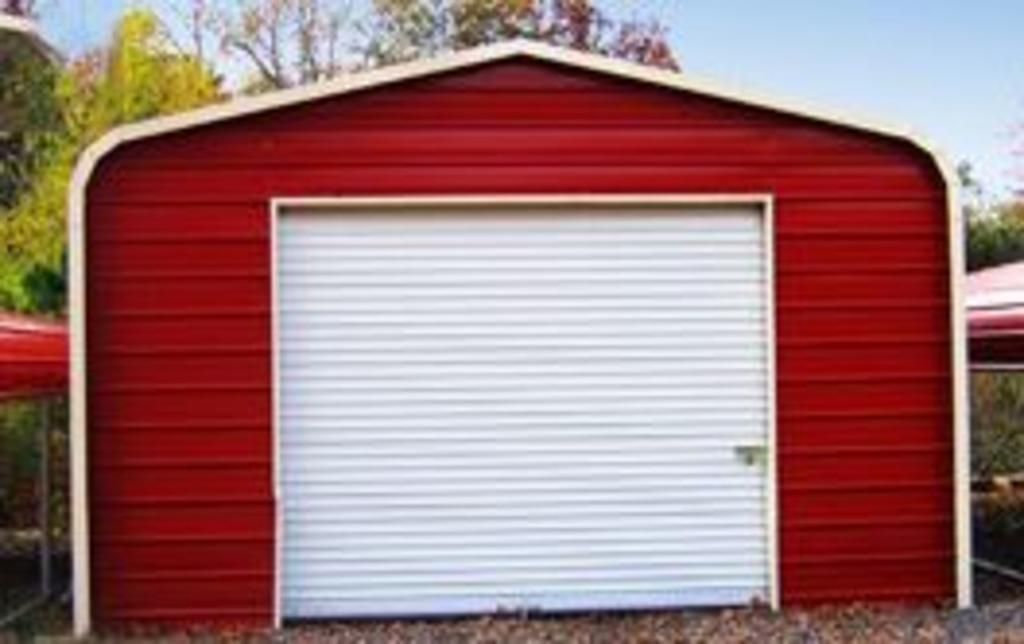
<point x="997" y="422"/>
<point x="29" y="115"/>
<point x="405" y="29"/>
<point x="995" y="230"/>
<point x="19" y="422"/>
<point x="138" y="77"/>
<point x="996" y="237"/>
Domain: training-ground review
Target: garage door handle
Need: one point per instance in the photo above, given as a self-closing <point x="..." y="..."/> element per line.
<point x="752" y="455"/>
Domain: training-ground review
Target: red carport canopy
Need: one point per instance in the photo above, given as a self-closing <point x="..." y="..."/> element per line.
<point x="33" y="357"/>
<point x="995" y="314"/>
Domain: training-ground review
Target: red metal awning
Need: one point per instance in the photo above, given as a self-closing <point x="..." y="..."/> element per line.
<point x="33" y="357"/>
<point x="995" y="315"/>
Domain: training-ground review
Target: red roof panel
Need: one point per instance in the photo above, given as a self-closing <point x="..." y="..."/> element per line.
<point x="33" y="356"/>
<point x="995" y="314"/>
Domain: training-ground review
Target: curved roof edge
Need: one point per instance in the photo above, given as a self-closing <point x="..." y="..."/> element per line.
<point x="452" y="61"/>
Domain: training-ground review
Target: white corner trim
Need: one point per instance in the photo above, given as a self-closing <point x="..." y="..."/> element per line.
<point x="95" y="153"/>
<point x="80" y="551"/>
<point x="275" y="421"/>
<point x="961" y="390"/>
<point x="772" y="469"/>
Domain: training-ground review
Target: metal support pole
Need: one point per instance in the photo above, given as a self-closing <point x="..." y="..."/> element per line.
<point x="45" y="563"/>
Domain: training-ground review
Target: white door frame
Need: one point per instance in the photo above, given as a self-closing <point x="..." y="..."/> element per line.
<point x="766" y="206"/>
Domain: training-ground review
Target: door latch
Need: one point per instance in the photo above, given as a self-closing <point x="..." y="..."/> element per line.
<point x="751" y="455"/>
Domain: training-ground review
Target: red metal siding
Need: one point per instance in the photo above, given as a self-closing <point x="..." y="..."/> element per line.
<point x="179" y="301"/>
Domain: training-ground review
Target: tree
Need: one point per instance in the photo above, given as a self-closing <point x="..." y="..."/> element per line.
<point x="136" y="77"/>
<point x="996" y="236"/>
<point x="995" y="230"/>
<point x="406" y="29"/>
<point x="17" y="7"/>
<point x="284" y="42"/>
<point x="293" y="42"/>
<point x="28" y="115"/>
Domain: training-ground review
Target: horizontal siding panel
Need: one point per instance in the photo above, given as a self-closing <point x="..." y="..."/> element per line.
<point x="146" y="481"/>
<point x="883" y="595"/>
<point x="877" y="500"/>
<point x="232" y="555"/>
<point x="842" y="322"/>
<point x="852" y="251"/>
<point x="909" y="537"/>
<point x="513" y="146"/>
<point x="853" y="427"/>
<point x="931" y="576"/>
<point x="853" y="216"/>
<point x="121" y="222"/>
<point x="152" y="520"/>
<point x="229" y="184"/>
<point x="212" y="257"/>
<point x="811" y="360"/>
<point x="898" y="285"/>
<point x="800" y="219"/>
<point x="885" y="464"/>
<point x="213" y="591"/>
<point x="440" y="109"/>
<point x="201" y="444"/>
<point x="156" y="334"/>
<point x="193" y="294"/>
<point x="864" y="395"/>
<point x="230" y="618"/>
<point x="197" y="369"/>
<point x="170" y="406"/>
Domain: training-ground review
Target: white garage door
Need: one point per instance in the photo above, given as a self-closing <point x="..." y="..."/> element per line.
<point x="523" y="410"/>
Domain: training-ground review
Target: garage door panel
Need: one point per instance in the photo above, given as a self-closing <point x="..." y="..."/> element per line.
<point x="563" y="598"/>
<point x="450" y="225"/>
<point x="529" y="307"/>
<point x="323" y="541"/>
<point x="542" y="410"/>
<point x="568" y="550"/>
<point x="693" y="450"/>
<point x="452" y="348"/>
<point x="326" y="430"/>
<point x="528" y="408"/>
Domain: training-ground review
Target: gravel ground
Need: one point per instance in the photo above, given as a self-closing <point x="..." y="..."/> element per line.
<point x="849" y="624"/>
<point x="999" y="619"/>
<point x="1002" y="622"/>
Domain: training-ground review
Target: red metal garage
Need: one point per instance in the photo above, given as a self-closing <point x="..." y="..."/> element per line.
<point x="514" y="329"/>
